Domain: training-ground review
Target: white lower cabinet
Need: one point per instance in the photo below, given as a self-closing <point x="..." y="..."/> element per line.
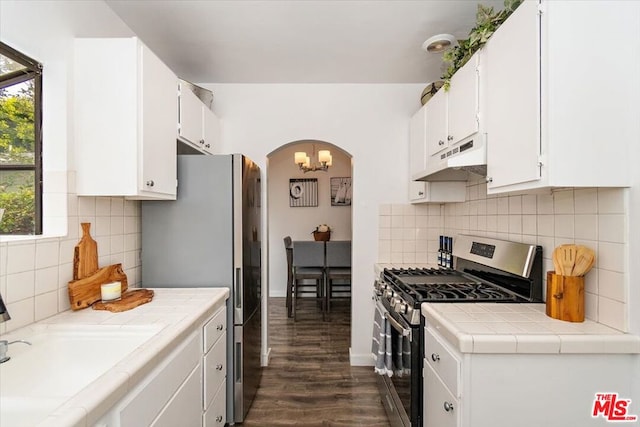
<point x="184" y="408"/>
<point x="154" y="393"/>
<point x="187" y="388"/>
<point x="216" y="414"/>
<point x="440" y="406"/>
<point x="518" y="389"/>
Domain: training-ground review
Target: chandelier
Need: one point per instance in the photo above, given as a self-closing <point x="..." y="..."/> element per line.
<point x="304" y="162"/>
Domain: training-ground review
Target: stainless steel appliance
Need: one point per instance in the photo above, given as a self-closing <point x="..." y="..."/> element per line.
<point x="486" y="270"/>
<point x="210" y="237"/>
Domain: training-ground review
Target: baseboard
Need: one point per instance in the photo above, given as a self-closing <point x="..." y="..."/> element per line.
<point x="265" y="358"/>
<point x="360" y="359"/>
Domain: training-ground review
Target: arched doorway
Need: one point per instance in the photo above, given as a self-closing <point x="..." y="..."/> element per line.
<point x="287" y="216"/>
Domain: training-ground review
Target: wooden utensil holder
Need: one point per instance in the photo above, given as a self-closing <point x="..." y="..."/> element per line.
<point x="565" y="297"/>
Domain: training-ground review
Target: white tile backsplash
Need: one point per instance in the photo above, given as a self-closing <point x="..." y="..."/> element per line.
<point x="46" y="280"/>
<point x="20" y="257"/>
<point x="20" y="286"/>
<point x="592" y="217"/>
<point x="47" y="253"/>
<point x="611" y="201"/>
<point x="611" y="228"/>
<point x="34" y="274"/>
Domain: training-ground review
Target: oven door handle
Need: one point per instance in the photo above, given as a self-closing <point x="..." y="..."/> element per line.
<point x="404" y="331"/>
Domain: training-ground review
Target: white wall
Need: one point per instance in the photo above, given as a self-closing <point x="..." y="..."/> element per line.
<point x="371" y="122"/>
<point x="299" y="222"/>
<point x="34" y="272"/>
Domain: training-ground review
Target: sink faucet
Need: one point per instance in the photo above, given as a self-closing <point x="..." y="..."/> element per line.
<point x="4" y="346"/>
<point x="4" y="313"/>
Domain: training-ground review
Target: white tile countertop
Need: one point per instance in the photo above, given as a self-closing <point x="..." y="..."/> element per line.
<point x="521" y="328"/>
<point x="175" y="312"/>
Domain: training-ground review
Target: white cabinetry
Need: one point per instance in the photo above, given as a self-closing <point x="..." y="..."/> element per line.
<point x="559" y="111"/>
<point x="436" y="117"/>
<point x="197" y="125"/>
<point x="453" y="133"/>
<point x="214" y="375"/>
<point x="186" y="388"/>
<point x="516" y="389"/>
<point x="166" y="389"/>
<point x="421" y="191"/>
<point x="124" y="114"/>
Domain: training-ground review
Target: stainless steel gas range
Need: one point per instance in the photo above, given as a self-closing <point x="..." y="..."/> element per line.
<point x="486" y="270"/>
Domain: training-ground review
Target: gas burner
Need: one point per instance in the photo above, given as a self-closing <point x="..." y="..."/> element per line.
<point x="464" y="292"/>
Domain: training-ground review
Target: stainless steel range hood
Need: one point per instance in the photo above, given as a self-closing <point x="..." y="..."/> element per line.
<point x="458" y="161"/>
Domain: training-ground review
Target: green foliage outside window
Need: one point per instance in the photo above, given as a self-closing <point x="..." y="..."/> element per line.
<point x="20" y="166"/>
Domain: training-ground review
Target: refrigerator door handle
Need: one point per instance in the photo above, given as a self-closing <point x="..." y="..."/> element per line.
<point x="237" y="291"/>
<point x="238" y="363"/>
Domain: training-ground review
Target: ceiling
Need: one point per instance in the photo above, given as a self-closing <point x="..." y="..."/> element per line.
<point x="298" y="41"/>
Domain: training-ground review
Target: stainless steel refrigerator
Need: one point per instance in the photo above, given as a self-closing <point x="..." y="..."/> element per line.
<point x="210" y="237"/>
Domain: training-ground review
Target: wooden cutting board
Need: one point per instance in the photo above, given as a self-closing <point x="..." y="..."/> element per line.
<point x="85" y="255"/>
<point x="129" y="300"/>
<point x="84" y="292"/>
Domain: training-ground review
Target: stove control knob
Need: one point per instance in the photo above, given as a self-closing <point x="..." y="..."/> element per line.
<point x="403" y="308"/>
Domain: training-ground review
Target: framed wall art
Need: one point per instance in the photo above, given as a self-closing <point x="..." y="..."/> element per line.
<point x="341" y="191"/>
<point x="303" y="192"/>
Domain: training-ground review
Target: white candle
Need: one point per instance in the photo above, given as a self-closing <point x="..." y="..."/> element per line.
<point x="111" y="291"/>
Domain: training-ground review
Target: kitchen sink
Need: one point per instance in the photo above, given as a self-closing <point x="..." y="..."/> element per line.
<point x="59" y="363"/>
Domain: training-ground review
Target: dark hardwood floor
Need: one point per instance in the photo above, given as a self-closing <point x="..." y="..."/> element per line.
<point x="309" y="381"/>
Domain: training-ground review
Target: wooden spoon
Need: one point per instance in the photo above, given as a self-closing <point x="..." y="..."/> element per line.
<point x="585" y="259"/>
<point x="557" y="265"/>
<point x="569" y="253"/>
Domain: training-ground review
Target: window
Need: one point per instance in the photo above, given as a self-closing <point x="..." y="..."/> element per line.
<point x="20" y="143"/>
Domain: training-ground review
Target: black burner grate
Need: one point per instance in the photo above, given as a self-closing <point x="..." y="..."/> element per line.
<point x="429" y="285"/>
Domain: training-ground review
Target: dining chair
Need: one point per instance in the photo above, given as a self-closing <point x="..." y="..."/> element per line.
<point x="308" y="266"/>
<point x="288" y="247"/>
<point x="338" y="269"/>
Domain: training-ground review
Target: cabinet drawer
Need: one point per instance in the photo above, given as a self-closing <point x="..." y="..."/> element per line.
<point x="215" y="370"/>
<point x="214" y="329"/>
<point x="440" y="408"/>
<point x="184" y="408"/>
<point x="216" y="415"/>
<point x="442" y="360"/>
<point x="161" y="384"/>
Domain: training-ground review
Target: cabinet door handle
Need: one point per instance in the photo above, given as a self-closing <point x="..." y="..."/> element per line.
<point x="208" y="146"/>
<point x="450" y="138"/>
<point x="220" y="327"/>
<point x="150" y="183"/>
<point x="489" y="179"/>
<point x="440" y="142"/>
<point x="448" y="406"/>
<point x="435" y="357"/>
<point x="219" y="367"/>
<point x="219" y="419"/>
<point x="420" y="193"/>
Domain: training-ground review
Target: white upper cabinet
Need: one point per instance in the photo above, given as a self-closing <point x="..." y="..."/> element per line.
<point x="197" y="125"/>
<point x="421" y="191"/>
<point x="453" y="127"/>
<point x="418" y="142"/>
<point x="562" y="104"/>
<point x="124" y="120"/>
<point x="462" y="102"/>
<point x="436" y="120"/>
